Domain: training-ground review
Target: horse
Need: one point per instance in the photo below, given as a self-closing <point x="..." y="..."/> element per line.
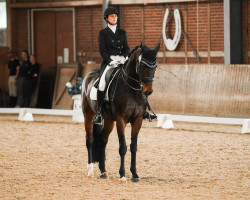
<point x="131" y="87"/>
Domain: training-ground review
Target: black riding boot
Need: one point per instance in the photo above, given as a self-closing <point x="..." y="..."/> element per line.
<point x="98" y="118"/>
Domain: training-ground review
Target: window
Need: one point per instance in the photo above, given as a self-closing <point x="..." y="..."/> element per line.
<point x="3" y="23"/>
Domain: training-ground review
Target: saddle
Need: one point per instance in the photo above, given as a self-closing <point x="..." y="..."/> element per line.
<point x="111" y="81"/>
<point x="110" y="78"/>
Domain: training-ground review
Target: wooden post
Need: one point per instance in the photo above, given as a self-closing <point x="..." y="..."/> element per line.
<point x="233" y="32"/>
<point x="121" y="18"/>
<point x="143" y="24"/>
<point x="164" y="47"/>
<point x="92" y="33"/>
<point x="8" y="30"/>
<point x="208" y="34"/>
<point x="186" y="30"/>
<point x="245" y="31"/>
<point x="105" y="4"/>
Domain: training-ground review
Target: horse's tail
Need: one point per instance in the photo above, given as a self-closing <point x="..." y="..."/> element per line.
<point x="96" y="148"/>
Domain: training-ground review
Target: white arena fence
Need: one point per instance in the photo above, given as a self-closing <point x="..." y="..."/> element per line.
<point x="164" y="120"/>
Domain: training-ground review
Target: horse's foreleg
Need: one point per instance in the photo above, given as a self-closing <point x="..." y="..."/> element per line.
<point x="89" y="145"/>
<point x="122" y="149"/>
<point x="108" y="127"/>
<point x="133" y="148"/>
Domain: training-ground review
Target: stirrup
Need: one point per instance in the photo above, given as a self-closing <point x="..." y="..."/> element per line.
<point x="97" y="120"/>
<point x="149" y="116"/>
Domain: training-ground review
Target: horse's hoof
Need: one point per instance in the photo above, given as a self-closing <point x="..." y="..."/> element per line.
<point x="123" y="180"/>
<point x="91" y="176"/>
<point x="104" y="175"/>
<point x="135" y="180"/>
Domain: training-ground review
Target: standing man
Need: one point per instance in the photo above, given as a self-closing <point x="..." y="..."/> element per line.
<point x="13" y="66"/>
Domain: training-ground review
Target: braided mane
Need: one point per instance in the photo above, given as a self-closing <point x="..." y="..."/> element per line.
<point x="148" y="54"/>
<point x="131" y="52"/>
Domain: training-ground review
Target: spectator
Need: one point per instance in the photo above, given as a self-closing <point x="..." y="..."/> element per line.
<point x="34" y="73"/>
<point x="23" y="89"/>
<point x="13" y="66"/>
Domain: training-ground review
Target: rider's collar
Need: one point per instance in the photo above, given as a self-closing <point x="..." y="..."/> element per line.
<point x="112" y="27"/>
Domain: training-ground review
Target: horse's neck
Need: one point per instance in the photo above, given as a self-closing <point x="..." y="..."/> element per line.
<point x="130" y="68"/>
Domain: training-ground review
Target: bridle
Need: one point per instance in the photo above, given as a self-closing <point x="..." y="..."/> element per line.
<point x="139" y="83"/>
<point x="141" y="64"/>
<point x="144" y="63"/>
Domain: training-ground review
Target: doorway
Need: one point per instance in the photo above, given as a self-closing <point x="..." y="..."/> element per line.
<point x="52" y="30"/>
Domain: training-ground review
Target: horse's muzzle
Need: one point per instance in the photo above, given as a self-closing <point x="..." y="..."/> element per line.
<point x="148" y="88"/>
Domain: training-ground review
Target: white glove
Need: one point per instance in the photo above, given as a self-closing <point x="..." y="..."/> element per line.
<point x="113" y="63"/>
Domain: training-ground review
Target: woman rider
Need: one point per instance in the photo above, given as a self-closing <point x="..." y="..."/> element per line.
<point x="114" y="49"/>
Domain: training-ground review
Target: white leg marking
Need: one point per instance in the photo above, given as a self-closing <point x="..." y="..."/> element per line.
<point x="123" y="180"/>
<point x="90" y="168"/>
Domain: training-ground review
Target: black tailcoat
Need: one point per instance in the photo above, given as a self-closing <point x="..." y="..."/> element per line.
<point x="111" y="43"/>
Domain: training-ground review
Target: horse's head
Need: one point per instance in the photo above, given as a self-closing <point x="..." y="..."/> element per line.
<point x="145" y="67"/>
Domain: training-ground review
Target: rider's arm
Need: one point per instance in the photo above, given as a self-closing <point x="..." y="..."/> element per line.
<point x="103" y="48"/>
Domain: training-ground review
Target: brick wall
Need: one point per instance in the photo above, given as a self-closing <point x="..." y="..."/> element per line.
<point x="153" y="17"/>
<point x="143" y="23"/>
<point x="245" y="30"/>
<point x="217" y="29"/>
<point x="19" y="37"/>
<point x="88" y="25"/>
<point x="248" y="30"/>
<point x="132" y="21"/>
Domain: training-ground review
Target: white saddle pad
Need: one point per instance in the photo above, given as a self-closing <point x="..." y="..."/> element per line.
<point x="93" y="92"/>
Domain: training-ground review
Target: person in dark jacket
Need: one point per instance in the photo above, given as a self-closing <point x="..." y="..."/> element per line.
<point x="34" y="72"/>
<point x="33" y="77"/>
<point x="114" y="49"/>
<point x="23" y="88"/>
<point x="13" y="66"/>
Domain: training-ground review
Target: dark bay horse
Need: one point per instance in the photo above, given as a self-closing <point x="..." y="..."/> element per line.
<point x="133" y="83"/>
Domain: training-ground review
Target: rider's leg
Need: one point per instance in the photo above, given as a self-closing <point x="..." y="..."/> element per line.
<point x="100" y="97"/>
<point x="98" y="118"/>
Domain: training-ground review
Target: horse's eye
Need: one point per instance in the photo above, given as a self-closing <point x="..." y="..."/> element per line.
<point x="143" y="68"/>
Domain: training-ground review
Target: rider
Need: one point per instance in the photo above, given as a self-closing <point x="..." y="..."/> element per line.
<point x="114" y="49"/>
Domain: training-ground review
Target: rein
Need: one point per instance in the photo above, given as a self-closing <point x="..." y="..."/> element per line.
<point x="138" y="82"/>
<point x="170" y="73"/>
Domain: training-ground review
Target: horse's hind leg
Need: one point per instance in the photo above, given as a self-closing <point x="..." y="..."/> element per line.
<point x="108" y="127"/>
<point x="133" y="148"/>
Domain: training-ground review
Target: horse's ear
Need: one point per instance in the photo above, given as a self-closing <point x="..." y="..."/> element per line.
<point x="142" y="47"/>
<point x="157" y="47"/>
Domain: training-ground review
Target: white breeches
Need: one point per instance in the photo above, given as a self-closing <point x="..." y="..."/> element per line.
<point x="120" y="60"/>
